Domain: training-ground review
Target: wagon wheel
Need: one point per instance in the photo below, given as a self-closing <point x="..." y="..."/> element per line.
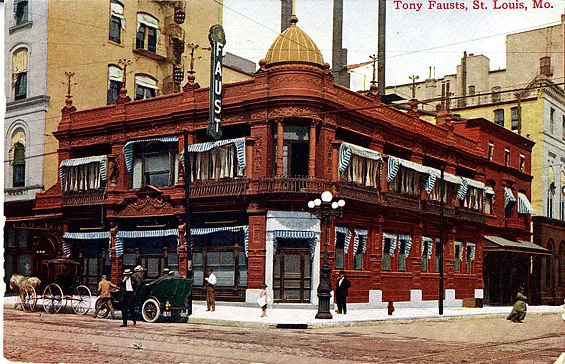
<point x="29" y="299"/>
<point x="52" y="298"/>
<point x="103" y="311"/>
<point x="151" y="310"/>
<point x="81" y="300"/>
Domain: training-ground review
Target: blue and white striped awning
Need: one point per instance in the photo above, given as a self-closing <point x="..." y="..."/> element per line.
<point x="460" y="245"/>
<point x="234" y="229"/>
<point x="508" y="197"/>
<point x="360" y="235"/>
<point x="474" y="184"/>
<point x="471" y="247"/>
<point x="128" y="147"/>
<point x="291" y="234"/>
<point x="408" y="239"/>
<point x="346" y="149"/>
<point x="87" y="236"/>
<point x="101" y="159"/>
<point x="428" y="242"/>
<point x="204" y="147"/>
<point x="524" y="205"/>
<point x="66" y="249"/>
<point x="347" y="233"/>
<point x="462" y="191"/>
<point x="393" y="239"/>
<point x="136" y="234"/>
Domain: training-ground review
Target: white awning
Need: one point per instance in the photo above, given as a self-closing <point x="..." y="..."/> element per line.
<point x="346" y="149"/>
<point x="524" y="205"/>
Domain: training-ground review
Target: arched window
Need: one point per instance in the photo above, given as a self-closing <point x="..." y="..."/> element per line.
<point x="17" y="157"/>
<point x="117" y="21"/>
<point x="560" y="261"/>
<point x="145" y="87"/>
<point x="19" y="73"/>
<point x="115" y="78"/>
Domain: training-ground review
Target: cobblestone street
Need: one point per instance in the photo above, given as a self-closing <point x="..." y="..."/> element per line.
<point x="72" y="338"/>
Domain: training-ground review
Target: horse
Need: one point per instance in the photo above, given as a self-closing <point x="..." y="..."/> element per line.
<point x="21" y="283"/>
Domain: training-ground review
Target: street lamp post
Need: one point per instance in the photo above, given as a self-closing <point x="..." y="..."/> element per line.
<point x="326" y="210"/>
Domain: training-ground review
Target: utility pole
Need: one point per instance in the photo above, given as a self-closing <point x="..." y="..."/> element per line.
<point x="440" y="247"/>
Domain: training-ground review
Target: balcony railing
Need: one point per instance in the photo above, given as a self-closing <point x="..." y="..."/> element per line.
<point x="401" y="201"/>
<point x="355" y="191"/>
<point x="463" y="213"/>
<point x="292" y="185"/>
<point x="218" y="187"/>
<point x="81" y="198"/>
<point x="434" y="207"/>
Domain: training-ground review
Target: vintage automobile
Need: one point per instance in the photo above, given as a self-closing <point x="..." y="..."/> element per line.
<point x="168" y="298"/>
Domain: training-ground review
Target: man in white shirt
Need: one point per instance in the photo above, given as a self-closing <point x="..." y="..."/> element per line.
<point x="128" y="286"/>
<point x="210" y="284"/>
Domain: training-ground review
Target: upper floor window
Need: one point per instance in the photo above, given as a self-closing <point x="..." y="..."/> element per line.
<point x="490" y="150"/>
<point x="469" y="257"/>
<point x="83" y="174"/>
<point x="17" y="158"/>
<point x="473" y="199"/>
<point x="114" y="84"/>
<point x="19" y="73"/>
<point x="489" y="198"/>
<point x="427" y="244"/>
<point x="522" y="162"/>
<point x="21" y="11"/>
<point x="471" y="90"/>
<point x="407" y="181"/>
<point x="154" y="163"/>
<point x="359" y="247"/>
<point x="145" y="87"/>
<point x="458" y="256"/>
<point x="295" y="150"/>
<point x="563" y="125"/>
<point x="499" y="117"/>
<point x="147" y="32"/>
<point x="495" y="94"/>
<point x="117" y="22"/>
<point x="359" y="165"/>
<point x="342" y="235"/>
<point x="515" y="118"/>
<point x="507" y="157"/>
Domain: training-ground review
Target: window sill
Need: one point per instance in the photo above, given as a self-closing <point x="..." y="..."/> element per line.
<point x="115" y="43"/>
<point x="15" y="28"/>
<point x="149" y="54"/>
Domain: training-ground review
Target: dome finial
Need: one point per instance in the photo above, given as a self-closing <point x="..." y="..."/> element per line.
<point x="293" y="19"/>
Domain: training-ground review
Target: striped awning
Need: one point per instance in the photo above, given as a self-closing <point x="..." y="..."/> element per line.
<point x="408" y="239"/>
<point x="128" y="147"/>
<point x="508" y="196"/>
<point x="393" y="239"/>
<point x="87" y="236"/>
<point x="471" y="247"/>
<point x="347" y="232"/>
<point x="204" y="147"/>
<point x="101" y="159"/>
<point x="234" y="229"/>
<point x="394" y="164"/>
<point x="524" y="205"/>
<point x="291" y="234"/>
<point x="346" y="149"/>
<point x="429" y="242"/>
<point x="360" y="236"/>
<point x="460" y="245"/>
<point x="462" y="191"/>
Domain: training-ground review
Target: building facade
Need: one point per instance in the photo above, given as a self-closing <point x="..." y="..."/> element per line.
<point x="153" y="40"/>
<point x="289" y="134"/>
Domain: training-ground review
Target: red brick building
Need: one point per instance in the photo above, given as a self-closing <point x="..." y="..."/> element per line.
<point x="289" y="134"/>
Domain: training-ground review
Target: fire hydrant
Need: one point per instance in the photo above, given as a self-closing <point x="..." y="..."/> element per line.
<point x="390" y="308"/>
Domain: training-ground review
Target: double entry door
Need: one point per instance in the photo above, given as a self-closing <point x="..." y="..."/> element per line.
<point x="292" y="275"/>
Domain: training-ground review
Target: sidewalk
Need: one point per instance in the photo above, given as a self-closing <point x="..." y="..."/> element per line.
<point x="303" y="316"/>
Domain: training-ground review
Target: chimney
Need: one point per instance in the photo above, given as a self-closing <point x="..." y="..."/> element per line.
<point x="339" y="54"/>
<point x="381" y="46"/>
<point x="286" y="12"/>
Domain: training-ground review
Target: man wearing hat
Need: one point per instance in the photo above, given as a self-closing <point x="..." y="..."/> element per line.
<point x="104" y="296"/>
<point x="138" y="274"/>
<point x="341" y="292"/>
<point x="520" y="306"/>
<point x="128" y="287"/>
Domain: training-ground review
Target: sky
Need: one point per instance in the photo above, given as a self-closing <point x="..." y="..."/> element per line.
<point x="415" y="40"/>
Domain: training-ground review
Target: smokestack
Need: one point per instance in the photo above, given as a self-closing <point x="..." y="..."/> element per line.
<point x="286" y="12"/>
<point x="339" y="54"/>
<point x="381" y="47"/>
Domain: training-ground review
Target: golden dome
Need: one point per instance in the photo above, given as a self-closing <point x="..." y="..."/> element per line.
<point x="294" y="45"/>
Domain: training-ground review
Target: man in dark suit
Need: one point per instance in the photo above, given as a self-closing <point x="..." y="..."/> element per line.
<point x="128" y="287"/>
<point x="341" y="291"/>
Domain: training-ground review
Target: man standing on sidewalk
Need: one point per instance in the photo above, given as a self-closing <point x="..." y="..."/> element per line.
<point x="128" y="286"/>
<point x="104" y="296"/>
<point x="210" y="285"/>
<point x="341" y="292"/>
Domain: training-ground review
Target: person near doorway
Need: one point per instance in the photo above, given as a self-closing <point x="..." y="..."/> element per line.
<point x="341" y="292"/>
<point x="520" y="306"/>
<point x="104" y="296"/>
<point x="128" y="287"/>
<point x="210" y="294"/>
<point x="263" y="300"/>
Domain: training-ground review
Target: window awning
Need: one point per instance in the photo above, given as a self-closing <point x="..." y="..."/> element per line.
<point x="498" y="244"/>
<point x="508" y="196"/>
<point x="128" y="147"/>
<point x="291" y="234"/>
<point x="118" y="11"/>
<point x="347" y="233"/>
<point x="489" y="190"/>
<point x="524" y="205"/>
<point x="360" y="235"/>
<point x="346" y="149"/>
<point x="204" y="147"/>
<point x="102" y="159"/>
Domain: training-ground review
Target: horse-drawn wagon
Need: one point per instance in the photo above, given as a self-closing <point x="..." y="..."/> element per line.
<point x="162" y="298"/>
<point x="61" y="273"/>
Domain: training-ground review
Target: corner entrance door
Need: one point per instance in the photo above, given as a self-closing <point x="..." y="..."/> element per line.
<point x="292" y="276"/>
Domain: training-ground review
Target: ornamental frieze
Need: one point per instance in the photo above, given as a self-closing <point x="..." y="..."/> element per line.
<point x="150" y="206"/>
<point x="291" y="111"/>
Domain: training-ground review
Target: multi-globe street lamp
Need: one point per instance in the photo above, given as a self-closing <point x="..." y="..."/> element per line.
<point x="326" y="210"/>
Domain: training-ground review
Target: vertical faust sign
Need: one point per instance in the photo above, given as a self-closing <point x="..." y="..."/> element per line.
<point x="217" y="39"/>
